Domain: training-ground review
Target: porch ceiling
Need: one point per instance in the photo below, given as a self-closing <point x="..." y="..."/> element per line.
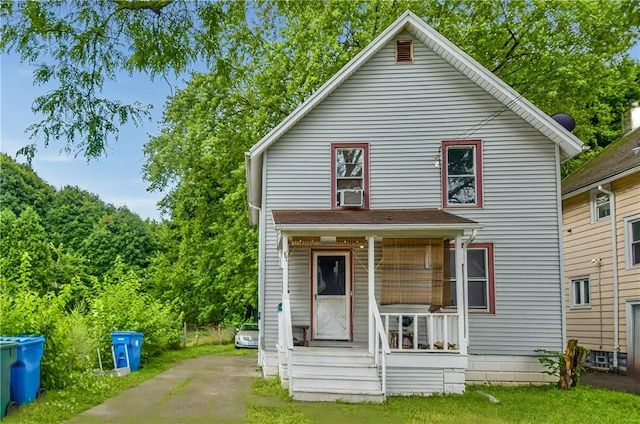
<point x="376" y="221"/>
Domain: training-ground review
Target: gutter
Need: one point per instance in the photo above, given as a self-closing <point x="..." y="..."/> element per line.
<point x="614" y="262"/>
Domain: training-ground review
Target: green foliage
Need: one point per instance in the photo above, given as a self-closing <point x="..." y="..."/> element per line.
<point x="551" y="361"/>
<point x="556" y="364"/>
<point x="120" y="305"/>
<point x="20" y="236"/>
<point x="21" y="188"/>
<point x="564" y="56"/>
<point x="120" y="233"/>
<point x="72" y="215"/>
<point x="68" y="345"/>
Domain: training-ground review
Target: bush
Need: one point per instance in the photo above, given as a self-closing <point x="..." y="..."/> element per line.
<point x="68" y="343"/>
<point x="120" y="305"/>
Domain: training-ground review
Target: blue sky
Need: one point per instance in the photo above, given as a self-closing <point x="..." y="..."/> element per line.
<point x="116" y="178"/>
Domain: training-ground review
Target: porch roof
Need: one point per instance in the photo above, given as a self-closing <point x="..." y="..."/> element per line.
<point x="370" y="220"/>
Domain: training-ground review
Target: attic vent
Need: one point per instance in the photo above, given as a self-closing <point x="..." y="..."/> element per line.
<point x="404" y="50"/>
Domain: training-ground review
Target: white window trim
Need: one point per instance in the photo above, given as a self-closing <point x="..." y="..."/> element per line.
<point x="592" y="204"/>
<point x="627" y="240"/>
<point x="572" y="294"/>
<point x="486" y="280"/>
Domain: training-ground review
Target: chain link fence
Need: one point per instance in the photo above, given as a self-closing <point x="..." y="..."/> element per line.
<point x="207" y="335"/>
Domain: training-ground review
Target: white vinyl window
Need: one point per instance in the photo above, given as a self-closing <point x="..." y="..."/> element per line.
<point x="632" y="241"/>
<point x="600" y="206"/>
<point x="580" y="292"/>
<point x="480" y="277"/>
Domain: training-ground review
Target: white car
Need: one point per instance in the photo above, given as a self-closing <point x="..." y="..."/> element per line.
<point x="247" y="336"/>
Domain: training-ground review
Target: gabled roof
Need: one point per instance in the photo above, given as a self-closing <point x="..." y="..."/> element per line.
<point x="615" y="161"/>
<point x="569" y="144"/>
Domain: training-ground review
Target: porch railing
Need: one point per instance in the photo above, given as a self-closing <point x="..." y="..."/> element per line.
<point x="381" y="344"/>
<point x="423" y="332"/>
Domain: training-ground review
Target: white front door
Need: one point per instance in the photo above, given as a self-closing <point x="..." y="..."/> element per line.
<point x="331" y="294"/>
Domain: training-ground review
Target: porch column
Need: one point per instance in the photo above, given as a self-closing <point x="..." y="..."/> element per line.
<point x="372" y="278"/>
<point x="460" y="294"/>
<point x="285" y="264"/>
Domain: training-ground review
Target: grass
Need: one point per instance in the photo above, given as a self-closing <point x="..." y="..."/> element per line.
<point x="530" y="404"/>
<point x="269" y="404"/>
<point x="88" y="390"/>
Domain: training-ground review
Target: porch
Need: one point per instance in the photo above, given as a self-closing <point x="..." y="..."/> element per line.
<point x="364" y="311"/>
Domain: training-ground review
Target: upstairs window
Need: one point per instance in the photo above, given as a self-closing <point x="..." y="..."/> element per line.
<point x="462" y="173"/>
<point x="350" y="175"/>
<point x="580" y="292"/>
<point x="600" y="206"/>
<point x="632" y="241"/>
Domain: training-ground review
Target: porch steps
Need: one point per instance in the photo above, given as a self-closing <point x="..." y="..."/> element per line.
<point x="330" y="374"/>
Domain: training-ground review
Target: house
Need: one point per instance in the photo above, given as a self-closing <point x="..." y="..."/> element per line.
<point x="409" y="227"/>
<point x="601" y="226"/>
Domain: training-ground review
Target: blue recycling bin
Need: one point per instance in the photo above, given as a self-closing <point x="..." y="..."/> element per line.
<point x="127" y="343"/>
<point x="25" y="373"/>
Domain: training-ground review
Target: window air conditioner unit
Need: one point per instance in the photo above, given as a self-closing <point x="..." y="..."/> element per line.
<point x="351" y="198"/>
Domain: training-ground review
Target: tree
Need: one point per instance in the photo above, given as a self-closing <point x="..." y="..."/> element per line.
<point x="262" y="59"/>
<point x="80" y="45"/>
<point x="21" y="187"/>
<point x="267" y="67"/>
<point x="120" y="234"/>
<point x="551" y="51"/>
<point x="72" y="215"/>
<point x="24" y="243"/>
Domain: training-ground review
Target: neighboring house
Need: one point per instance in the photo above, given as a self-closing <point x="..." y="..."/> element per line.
<point x="601" y="223"/>
<point x="409" y="227"/>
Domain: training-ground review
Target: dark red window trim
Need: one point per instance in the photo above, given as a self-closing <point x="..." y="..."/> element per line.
<point x="491" y="281"/>
<point x="479" y="186"/>
<point x="335" y="146"/>
<point x="352" y="287"/>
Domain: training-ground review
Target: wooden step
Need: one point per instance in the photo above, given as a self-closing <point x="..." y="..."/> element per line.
<point x="330" y="374"/>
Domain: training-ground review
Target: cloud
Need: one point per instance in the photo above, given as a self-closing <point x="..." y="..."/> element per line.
<point x="25" y="72"/>
<point x="56" y="159"/>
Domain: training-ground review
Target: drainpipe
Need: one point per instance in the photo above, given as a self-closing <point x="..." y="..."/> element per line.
<point x="599" y="262"/>
<point x="465" y="284"/>
<point x="260" y="286"/>
<point x="614" y="249"/>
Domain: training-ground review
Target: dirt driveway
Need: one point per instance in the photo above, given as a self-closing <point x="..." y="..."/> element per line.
<point x="208" y="389"/>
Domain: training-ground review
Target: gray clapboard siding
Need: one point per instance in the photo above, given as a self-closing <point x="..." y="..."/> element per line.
<point x="404" y="112"/>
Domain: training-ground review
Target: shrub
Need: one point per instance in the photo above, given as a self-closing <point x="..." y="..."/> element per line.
<point x="68" y="344"/>
<point x="120" y="305"/>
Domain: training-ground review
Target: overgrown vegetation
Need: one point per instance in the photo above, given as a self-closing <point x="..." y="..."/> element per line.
<point x="566" y="366"/>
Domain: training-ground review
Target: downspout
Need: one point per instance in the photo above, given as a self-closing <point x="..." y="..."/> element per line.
<point x="599" y="262"/>
<point x="260" y="265"/>
<point x="614" y="263"/>
<point x="563" y="290"/>
<point x="465" y="284"/>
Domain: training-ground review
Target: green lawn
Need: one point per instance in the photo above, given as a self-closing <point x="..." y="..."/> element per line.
<point x="539" y="405"/>
<point x="270" y="404"/>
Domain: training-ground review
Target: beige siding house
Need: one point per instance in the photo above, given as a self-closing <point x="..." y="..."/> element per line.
<point x="601" y="226"/>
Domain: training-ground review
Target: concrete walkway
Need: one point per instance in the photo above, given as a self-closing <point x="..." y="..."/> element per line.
<point x="209" y="389"/>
